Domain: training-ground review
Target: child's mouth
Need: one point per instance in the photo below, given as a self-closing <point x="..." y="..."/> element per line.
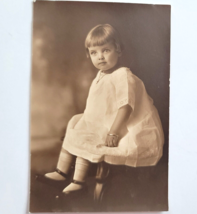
<point x="102" y="63"/>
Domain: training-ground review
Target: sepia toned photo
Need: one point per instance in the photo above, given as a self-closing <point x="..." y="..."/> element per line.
<point x="99" y="107"/>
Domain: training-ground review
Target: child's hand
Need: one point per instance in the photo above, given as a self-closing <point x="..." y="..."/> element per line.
<point x="112" y="140"/>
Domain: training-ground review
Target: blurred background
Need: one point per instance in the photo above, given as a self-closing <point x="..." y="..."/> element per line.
<point x="62" y="74"/>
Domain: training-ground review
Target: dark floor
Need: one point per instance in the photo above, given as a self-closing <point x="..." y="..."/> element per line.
<point x="130" y="189"/>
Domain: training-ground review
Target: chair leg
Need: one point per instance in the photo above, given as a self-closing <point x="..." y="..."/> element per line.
<point x="102" y="178"/>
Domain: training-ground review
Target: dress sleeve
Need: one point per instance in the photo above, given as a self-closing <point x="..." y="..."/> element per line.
<point x="125" y="86"/>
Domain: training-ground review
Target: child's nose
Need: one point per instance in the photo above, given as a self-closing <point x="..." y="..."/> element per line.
<point x="101" y="56"/>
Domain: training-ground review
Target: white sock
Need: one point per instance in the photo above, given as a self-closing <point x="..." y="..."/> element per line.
<point x="81" y="171"/>
<point x="64" y="163"/>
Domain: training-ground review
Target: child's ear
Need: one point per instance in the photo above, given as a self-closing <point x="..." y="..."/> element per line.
<point x="118" y="49"/>
<point x="119" y="53"/>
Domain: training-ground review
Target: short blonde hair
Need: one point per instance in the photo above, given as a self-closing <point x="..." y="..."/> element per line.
<point x="102" y="34"/>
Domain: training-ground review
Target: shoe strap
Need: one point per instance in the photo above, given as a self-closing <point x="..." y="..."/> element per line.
<point x="78" y="182"/>
<point x="61" y="173"/>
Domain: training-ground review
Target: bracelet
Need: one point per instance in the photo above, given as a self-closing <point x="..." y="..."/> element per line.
<point x="115" y="135"/>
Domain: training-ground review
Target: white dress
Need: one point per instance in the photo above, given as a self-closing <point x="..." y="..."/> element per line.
<point x="141" y="144"/>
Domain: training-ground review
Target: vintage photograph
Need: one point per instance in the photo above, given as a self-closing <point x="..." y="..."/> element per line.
<point x="99" y="107"/>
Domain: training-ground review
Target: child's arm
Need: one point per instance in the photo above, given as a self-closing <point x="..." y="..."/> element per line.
<point x="120" y="120"/>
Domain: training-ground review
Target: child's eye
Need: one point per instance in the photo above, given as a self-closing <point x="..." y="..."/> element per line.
<point x="93" y="53"/>
<point x="106" y="50"/>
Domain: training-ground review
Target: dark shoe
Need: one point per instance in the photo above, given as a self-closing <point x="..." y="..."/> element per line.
<point x="83" y="190"/>
<point x="55" y="183"/>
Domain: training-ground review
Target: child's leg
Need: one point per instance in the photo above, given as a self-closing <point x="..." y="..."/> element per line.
<point x="64" y="163"/>
<point x="81" y="171"/>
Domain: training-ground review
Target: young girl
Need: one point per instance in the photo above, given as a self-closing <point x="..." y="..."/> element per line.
<point x="120" y="124"/>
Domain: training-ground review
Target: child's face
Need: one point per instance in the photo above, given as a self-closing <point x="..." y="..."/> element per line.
<point x="104" y="57"/>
